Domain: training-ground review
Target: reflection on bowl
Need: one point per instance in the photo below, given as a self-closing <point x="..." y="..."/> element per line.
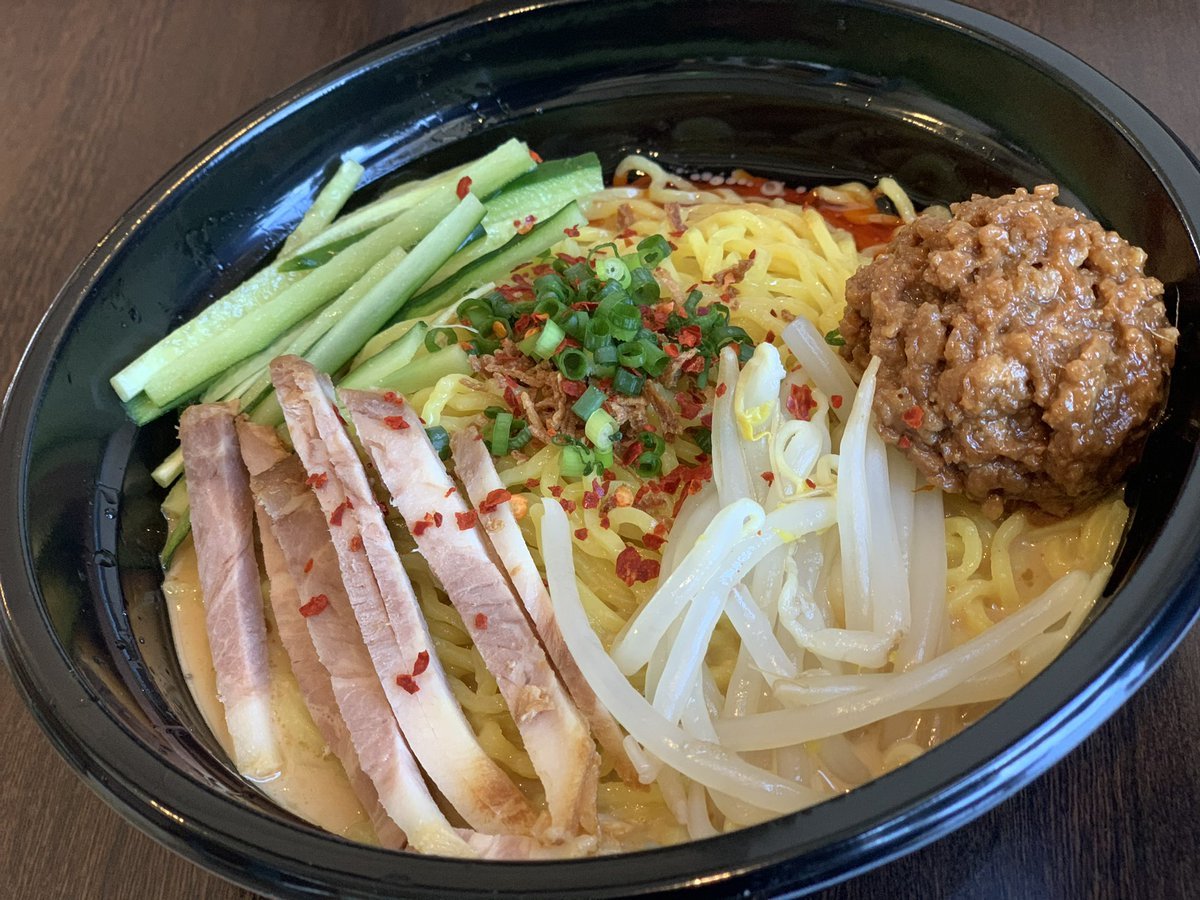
<point x="948" y="101"/>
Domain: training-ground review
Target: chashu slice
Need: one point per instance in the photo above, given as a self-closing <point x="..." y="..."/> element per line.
<point x="555" y="735"/>
<point x="476" y="470"/>
<point x="388" y="614"/>
<point x="289" y="516"/>
<point x="223" y="528"/>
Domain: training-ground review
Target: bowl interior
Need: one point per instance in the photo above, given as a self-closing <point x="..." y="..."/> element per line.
<point x="834" y="92"/>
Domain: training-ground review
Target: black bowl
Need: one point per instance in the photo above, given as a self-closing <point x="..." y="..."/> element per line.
<point x="948" y="100"/>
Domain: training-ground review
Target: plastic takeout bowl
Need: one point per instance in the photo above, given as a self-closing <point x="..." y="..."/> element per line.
<point x="945" y="99"/>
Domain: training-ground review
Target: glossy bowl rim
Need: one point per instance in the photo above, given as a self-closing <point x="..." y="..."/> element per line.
<point x="292" y="857"/>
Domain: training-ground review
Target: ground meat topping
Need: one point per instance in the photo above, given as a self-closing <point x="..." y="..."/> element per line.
<point x="1024" y="352"/>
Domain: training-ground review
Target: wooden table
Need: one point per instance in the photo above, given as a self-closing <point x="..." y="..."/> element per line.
<point x="98" y="99"/>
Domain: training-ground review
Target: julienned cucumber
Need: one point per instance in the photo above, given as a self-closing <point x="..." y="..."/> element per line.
<point x="389" y="359"/>
<point x="496" y="265"/>
<point x="527" y="200"/>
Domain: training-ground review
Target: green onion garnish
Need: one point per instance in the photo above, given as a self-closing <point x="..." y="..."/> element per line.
<point x="575" y="461"/>
<point x="628" y="383"/>
<point x="614" y="269"/>
<point x="648" y="464"/>
<point x="501" y="433"/>
<point x="834" y="338"/>
<point x="643" y="286"/>
<point x="591" y="400"/>
<point x="600" y="429"/>
<point x="547" y="342"/>
<point x="573" y="363"/>
<point x="652" y="250"/>
<point x="632" y="354"/>
<point x="439" y="338"/>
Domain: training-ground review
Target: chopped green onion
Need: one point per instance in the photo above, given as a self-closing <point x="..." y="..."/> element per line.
<point x="614" y="269"/>
<point x="656" y="360"/>
<point x="573" y="363"/>
<point x="440" y="440"/>
<point x="701" y="437"/>
<point x="625" y="320"/>
<point x="573" y="321"/>
<point x="648" y="464"/>
<point x="549" y="306"/>
<point x="605" y="355"/>
<point x="600" y="429"/>
<point x="437" y="338"/>
<point x="591" y="400"/>
<point x="834" y="338"/>
<point x="548" y="341"/>
<point x="631" y="354"/>
<point x="552" y="285"/>
<point x="628" y="383"/>
<point x="528" y="344"/>
<point x="492" y="411"/>
<point x="652" y="442"/>
<point x="652" y="250"/>
<point x="643" y="286"/>
<point x="575" y="461"/>
<point x="521" y="438"/>
<point x="604" y="457"/>
<point x="501" y="433"/>
<point x="596" y="333"/>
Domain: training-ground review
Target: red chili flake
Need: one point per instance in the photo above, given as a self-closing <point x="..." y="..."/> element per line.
<point x="421" y="664"/>
<point x="800" y="402"/>
<point x="688" y="407"/>
<point x="693" y="366"/>
<point x="481" y="621"/>
<point x="450" y="490"/>
<point x="573" y="231"/>
<point x="316" y="480"/>
<point x="356" y="543"/>
<point x="913" y="416"/>
<point x="836" y="401"/>
<point x="494" y="499"/>
<point x="533" y="154"/>
<point x="464" y="187"/>
<point x="335" y="518"/>
<point x="573" y="389"/>
<point x="407" y="682"/>
<point x="556" y="490"/>
<point x="706" y="420"/>
<point x="904" y="443"/>
<point x="604" y="522"/>
<point x="721" y="389"/>
<point x="337" y="412"/>
<point x="531" y="484"/>
<point x="466" y="521"/>
<point x="632" y="568"/>
<point x="653" y="541"/>
<point x="434" y="519"/>
<point x="811" y="484"/>
<point x="308" y="566"/>
<point x="568" y="505"/>
<point x="768" y="477"/>
<point x="314" y="605"/>
<point x="770" y="337"/>
<point x="672" y="350"/>
<point x="631" y="452"/>
<point x="524" y="226"/>
<point x="689" y="335"/>
<point x="581" y="534"/>
<point x="393" y="397"/>
<point x="396" y="423"/>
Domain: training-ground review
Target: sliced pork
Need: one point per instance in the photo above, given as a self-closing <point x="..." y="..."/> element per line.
<point x="555" y="735"/>
<point x="474" y="466"/>
<point x="301" y="525"/>
<point x="223" y="529"/>
<point x="389" y="617"/>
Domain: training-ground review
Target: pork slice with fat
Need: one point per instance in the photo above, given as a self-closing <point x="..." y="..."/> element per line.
<point x="388" y="614"/>
<point x="299" y="525"/>
<point x="474" y="466"/>
<point x="223" y="529"/>
<point x="554" y="733"/>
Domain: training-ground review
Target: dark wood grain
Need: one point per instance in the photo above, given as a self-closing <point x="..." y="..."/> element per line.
<point x="96" y="100"/>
